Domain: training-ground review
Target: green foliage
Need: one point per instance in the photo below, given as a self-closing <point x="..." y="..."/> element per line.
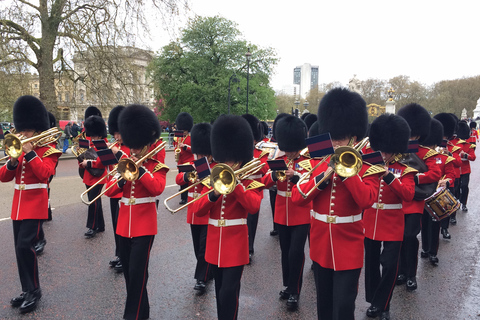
<point x="192" y="74"/>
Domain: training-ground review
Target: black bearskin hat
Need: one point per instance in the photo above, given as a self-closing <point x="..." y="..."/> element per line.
<point x="113" y="119"/>
<point x="200" y="138"/>
<point x="231" y="139"/>
<point x="449" y="123"/>
<point x="279" y="116"/>
<point x="473" y="125"/>
<point x="456" y="122"/>
<point x="291" y="133"/>
<point x="313" y="131"/>
<point x="418" y="119"/>
<point x="255" y="125"/>
<point x="310" y="119"/>
<point x="389" y="133"/>
<point x="139" y="126"/>
<point x="92" y="111"/>
<point x="264" y="128"/>
<point x="463" y="131"/>
<point x="95" y="127"/>
<point x="51" y="120"/>
<point x="435" y="136"/>
<point x="184" y="121"/>
<point x="304" y="115"/>
<point x="343" y="113"/>
<point x="30" y="113"/>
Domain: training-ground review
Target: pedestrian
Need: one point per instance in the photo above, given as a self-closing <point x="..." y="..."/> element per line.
<point x="31" y="171"/>
<point x="68" y="136"/>
<point x="137" y="218"/>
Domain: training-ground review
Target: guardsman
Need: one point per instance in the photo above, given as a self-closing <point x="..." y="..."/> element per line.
<point x="200" y="137"/>
<point x="137" y="217"/>
<point x="418" y="119"/>
<point x="467" y="154"/>
<point x="384" y="221"/>
<point x="30" y="171"/>
<point x="430" y="226"/>
<point x="336" y="227"/>
<point x="293" y="221"/>
<point x="473" y="133"/>
<point x="183" y="145"/>
<point x="449" y="124"/>
<point x="227" y="236"/>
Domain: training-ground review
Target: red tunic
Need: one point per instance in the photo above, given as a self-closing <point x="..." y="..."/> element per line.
<point x="227" y="246"/>
<point x="140" y="219"/>
<point x="186" y="155"/>
<point x="457" y="162"/>
<point x="288" y="213"/>
<point x="30" y="199"/>
<point x="469" y="150"/>
<point x="432" y="175"/>
<point x="387" y="224"/>
<point x="124" y="153"/>
<point x="339" y="246"/>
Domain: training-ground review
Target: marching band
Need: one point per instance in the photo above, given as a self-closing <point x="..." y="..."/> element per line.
<point x="360" y="195"/>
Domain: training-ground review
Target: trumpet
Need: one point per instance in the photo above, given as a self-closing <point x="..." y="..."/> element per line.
<point x="13" y="144"/>
<point x="282" y="174"/>
<point x="346" y="162"/>
<point x="128" y="170"/>
<point x="223" y="179"/>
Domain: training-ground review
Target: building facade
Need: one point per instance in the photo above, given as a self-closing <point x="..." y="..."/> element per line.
<point x="306" y="78"/>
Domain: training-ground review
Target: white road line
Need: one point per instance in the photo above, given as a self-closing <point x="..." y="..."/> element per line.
<point x="4" y="219"/>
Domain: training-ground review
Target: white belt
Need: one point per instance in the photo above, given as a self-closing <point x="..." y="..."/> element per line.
<point x="132" y="201"/>
<point x="336" y="219"/>
<point x="255" y="176"/>
<point x="30" y="186"/>
<point x="386" y="206"/>
<point x="194" y="195"/>
<point x="227" y="223"/>
<point x="286" y="194"/>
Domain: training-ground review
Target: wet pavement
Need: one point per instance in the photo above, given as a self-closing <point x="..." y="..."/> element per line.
<point x="78" y="284"/>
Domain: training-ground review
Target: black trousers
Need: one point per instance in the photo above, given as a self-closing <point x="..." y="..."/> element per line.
<point x="430" y="233"/>
<point x="227" y="291"/>
<point x="184" y="195"/>
<point x="409" y="252"/>
<point x="95" y="212"/>
<point x="25" y="235"/>
<point x="292" y="244"/>
<point x="336" y="292"/>
<point x="252" y="223"/>
<point x="379" y="284"/>
<point x="134" y="255"/>
<point x="203" y="271"/>
<point x="114" y="209"/>
<point x="273" y="196"/>
<point x="41" y="235"/>
<point x="464" y="180"/>
<point x="454" y="190"/>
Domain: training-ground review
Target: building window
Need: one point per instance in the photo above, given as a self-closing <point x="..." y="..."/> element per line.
<point x="82" y="96"/>
<point x="67" y="97"/>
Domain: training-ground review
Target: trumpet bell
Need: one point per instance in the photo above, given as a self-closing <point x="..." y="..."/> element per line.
<point x="223" y="179"/>
<point x="128" y="169"/>
<point x="13" y="146"/>
<point x="348" y="161"/>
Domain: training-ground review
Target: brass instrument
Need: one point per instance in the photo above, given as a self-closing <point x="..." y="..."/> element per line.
<point x="223" y="179"/>
<point x="127" y="168"/>
<point x="178" y="150"/>
<point x="76" y="150"/>
<point x="346" y="162"/>
<point x="282" y="174"/>
<point x="13" y="144"/>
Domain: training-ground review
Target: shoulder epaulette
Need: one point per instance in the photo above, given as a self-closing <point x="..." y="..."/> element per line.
<point x="449" y="159"/>
<point x="160" y="166"/>
<point x="305" y="164"/>
<point x="473" y="146"/>
<point x="409" y="170"/>
<point x="374" y="169"/>
<point x="461" y="141"/>
<point x="263" y="154"/>
<point x="50" y="151"/>
<point x="305" y="153"/>
<point x="455" y="148"/>
<point x="254" y="185"/>
<point x="429" y="154"/>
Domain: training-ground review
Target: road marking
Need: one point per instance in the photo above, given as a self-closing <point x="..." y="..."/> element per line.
<point x="4" y="219"/>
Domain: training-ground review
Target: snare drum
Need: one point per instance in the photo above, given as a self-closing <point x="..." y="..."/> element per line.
<point x="441" y="204"/>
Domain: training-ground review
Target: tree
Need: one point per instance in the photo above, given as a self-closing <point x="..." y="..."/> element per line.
<point x="39" y="32"/>
<point x="192" y="74"/>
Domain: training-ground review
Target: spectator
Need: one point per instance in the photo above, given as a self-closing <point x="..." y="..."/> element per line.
<point x="75" y="130"/>
<point x="68" y="135"/>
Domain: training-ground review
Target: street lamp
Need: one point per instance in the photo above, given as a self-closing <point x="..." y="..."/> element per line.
<point x="248" y="55"/>
<point x="233" y="78"/>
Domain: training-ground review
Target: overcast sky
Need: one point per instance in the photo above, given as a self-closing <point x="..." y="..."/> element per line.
<point x="426" y="40"/>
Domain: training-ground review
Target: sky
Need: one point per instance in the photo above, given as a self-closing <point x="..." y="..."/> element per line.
<point x="428" y="41"/>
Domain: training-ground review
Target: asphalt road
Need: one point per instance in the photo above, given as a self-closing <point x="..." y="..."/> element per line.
<point x="78" y="284"/>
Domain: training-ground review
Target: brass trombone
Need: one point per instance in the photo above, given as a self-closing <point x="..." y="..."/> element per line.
<point x="13" y="144"/>
<point x="127" y="168"/>
<point x="223" y="179"/>
<point x="346" y="161"/>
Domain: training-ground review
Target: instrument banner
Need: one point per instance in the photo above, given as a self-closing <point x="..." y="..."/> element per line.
<point x="277" y="164"/>
<point x="373" y="158"/>
<point x="203" y="168"/>
<point x="83" y="143"/>
<point x="178" y="133"/>
<point x="412" y="146"/>
<point x="320" y="146"/>
<point x="107" y="157"/>
<point x="100" y="144"/>
<point x="185" y="168"/>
